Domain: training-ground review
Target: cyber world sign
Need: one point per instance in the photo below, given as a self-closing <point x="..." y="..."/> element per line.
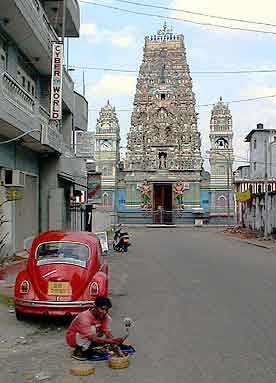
<point x="56" y="83"/>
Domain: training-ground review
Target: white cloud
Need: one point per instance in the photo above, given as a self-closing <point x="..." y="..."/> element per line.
<point x="113" y="85"/>
<point x="239" y="9"/>
<point x="122" y="39"/>
<point x="260" y="91"/>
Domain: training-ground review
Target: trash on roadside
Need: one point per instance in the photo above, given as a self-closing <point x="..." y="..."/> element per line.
<point x="12" y="311"/>
<point x="41" y="377"/>
<point x="83" y="370"/>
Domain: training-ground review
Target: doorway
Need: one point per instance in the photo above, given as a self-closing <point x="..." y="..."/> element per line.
<point x="162" y="197"/>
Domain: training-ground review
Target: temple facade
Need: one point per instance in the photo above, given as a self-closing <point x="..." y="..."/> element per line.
<point x="162" y="179"/>
<point x="163" y="165"/>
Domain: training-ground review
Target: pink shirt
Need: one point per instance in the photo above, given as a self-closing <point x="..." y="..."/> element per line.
<point x="82" y="324"/>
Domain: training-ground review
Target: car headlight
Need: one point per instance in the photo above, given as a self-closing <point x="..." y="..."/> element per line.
<point x="94" y="288"/>
<point x="24" y="287"/>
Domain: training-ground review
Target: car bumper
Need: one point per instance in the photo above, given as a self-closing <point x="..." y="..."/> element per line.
<point x="51" y="307"/>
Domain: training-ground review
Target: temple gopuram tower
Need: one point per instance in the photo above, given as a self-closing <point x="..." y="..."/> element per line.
<point x="221" y="163"/>
<point x="163" y="162"/>
<point x="107" y="156"/>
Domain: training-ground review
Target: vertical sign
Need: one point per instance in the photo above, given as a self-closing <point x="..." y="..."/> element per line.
<point x="94" y="193"/>
<point x="56" y="83"/>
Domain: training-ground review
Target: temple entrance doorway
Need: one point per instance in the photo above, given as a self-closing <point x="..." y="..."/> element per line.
<point x="162" y="206"/>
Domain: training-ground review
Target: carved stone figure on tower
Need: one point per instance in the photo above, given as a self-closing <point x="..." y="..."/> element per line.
<point x="145" y="190"/>
<point x="178" y="190"/>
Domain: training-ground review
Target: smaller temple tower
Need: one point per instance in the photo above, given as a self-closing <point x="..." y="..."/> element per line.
<point x="221" y="162"/>
<point x="107" y="153"/>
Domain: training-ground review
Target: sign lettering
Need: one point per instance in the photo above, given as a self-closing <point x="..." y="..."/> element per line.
<point x="56" y="83"/>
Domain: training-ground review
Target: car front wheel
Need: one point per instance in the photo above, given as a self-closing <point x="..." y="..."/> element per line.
<point x="19" y="315"/>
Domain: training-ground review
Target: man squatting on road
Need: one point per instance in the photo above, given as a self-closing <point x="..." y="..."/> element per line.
<point x="87" y="329"/>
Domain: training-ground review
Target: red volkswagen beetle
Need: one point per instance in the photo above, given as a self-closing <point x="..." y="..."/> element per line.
<point x="64" y="275"/>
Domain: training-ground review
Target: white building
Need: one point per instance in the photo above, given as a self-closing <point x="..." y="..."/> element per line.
<point x="261" y="171"/>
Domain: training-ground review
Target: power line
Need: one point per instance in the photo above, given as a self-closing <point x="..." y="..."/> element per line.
<point x="105" y="69"/>
<point x="178" y="19"/>
<point x="20" y="136"/>
<point x="196" y="13"/>
<point x="203" y="105"/>
<point x="249" y="71"/>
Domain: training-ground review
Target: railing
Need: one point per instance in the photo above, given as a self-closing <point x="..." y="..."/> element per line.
<point x="163" y="217"/>
<point x="16" y="94"/>
<point x="51" y="135"/>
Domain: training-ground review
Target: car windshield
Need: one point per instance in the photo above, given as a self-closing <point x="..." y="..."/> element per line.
<point x="62" y="252"/>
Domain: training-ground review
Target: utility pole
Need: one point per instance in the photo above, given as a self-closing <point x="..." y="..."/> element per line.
<point x="266" y="192"/>
<point x="228" y="191"/>
<point x="63" y="22"/>
<point x="83" y="84"/>
<point x="117" y="163"/>
<point x="67" y="54"/>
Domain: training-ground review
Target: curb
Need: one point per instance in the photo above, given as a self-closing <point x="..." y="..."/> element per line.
<point x="250" y="242"/>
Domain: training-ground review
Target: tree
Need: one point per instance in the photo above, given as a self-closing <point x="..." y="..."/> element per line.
<point x="4" y="233"/>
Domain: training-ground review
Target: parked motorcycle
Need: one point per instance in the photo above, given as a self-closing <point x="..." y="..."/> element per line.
<point x="120" y="240"/>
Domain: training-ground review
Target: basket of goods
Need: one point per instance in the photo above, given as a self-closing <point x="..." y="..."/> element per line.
<point x="83" y="370"/>
<point x="118" y="359"/>
<point x="117" y="362"/>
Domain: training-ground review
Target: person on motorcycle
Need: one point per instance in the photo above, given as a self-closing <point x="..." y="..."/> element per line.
<point x="91" y="329"/>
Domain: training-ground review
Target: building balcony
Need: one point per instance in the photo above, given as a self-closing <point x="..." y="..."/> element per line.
<point x="50" y="132"/>
<point x="17" y="108"/>
<point x="72" y="25"/>
<point x="28" y="25"/>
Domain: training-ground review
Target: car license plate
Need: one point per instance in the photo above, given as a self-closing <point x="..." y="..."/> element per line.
<point x="59" y="288"/>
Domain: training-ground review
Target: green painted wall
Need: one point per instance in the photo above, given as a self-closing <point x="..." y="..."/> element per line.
<point x="14" y="156"/>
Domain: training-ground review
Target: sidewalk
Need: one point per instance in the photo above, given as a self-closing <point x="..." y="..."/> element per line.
<point x="251" y="239"/>
<point x="8" y="275"/>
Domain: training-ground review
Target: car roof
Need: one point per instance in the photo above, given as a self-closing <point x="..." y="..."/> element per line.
<point x="71" y="236"/>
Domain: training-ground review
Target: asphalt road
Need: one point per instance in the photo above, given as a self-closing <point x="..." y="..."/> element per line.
<point x="204" y="308"/>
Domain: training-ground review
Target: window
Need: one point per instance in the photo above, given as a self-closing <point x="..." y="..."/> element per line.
<point x="222" y="201"/>
<point x="255" y="144"/>
<point x="105" y="200"/>
<point x="163" y="96"/>
<point x="221" y="170"/>
<point x="23" y="81"/>
<point x="62" y="252"/>
<point x="254" y="166"/>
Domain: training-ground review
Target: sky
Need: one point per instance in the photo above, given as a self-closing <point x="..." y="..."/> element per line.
<point x="111" y="38"/>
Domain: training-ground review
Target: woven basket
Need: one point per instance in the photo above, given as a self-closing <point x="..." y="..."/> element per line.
<point x="117" y="362"/>
<point x="82" y="370"/>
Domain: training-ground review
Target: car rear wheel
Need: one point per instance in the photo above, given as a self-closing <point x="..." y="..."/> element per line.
<point x="19" y="315"/>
